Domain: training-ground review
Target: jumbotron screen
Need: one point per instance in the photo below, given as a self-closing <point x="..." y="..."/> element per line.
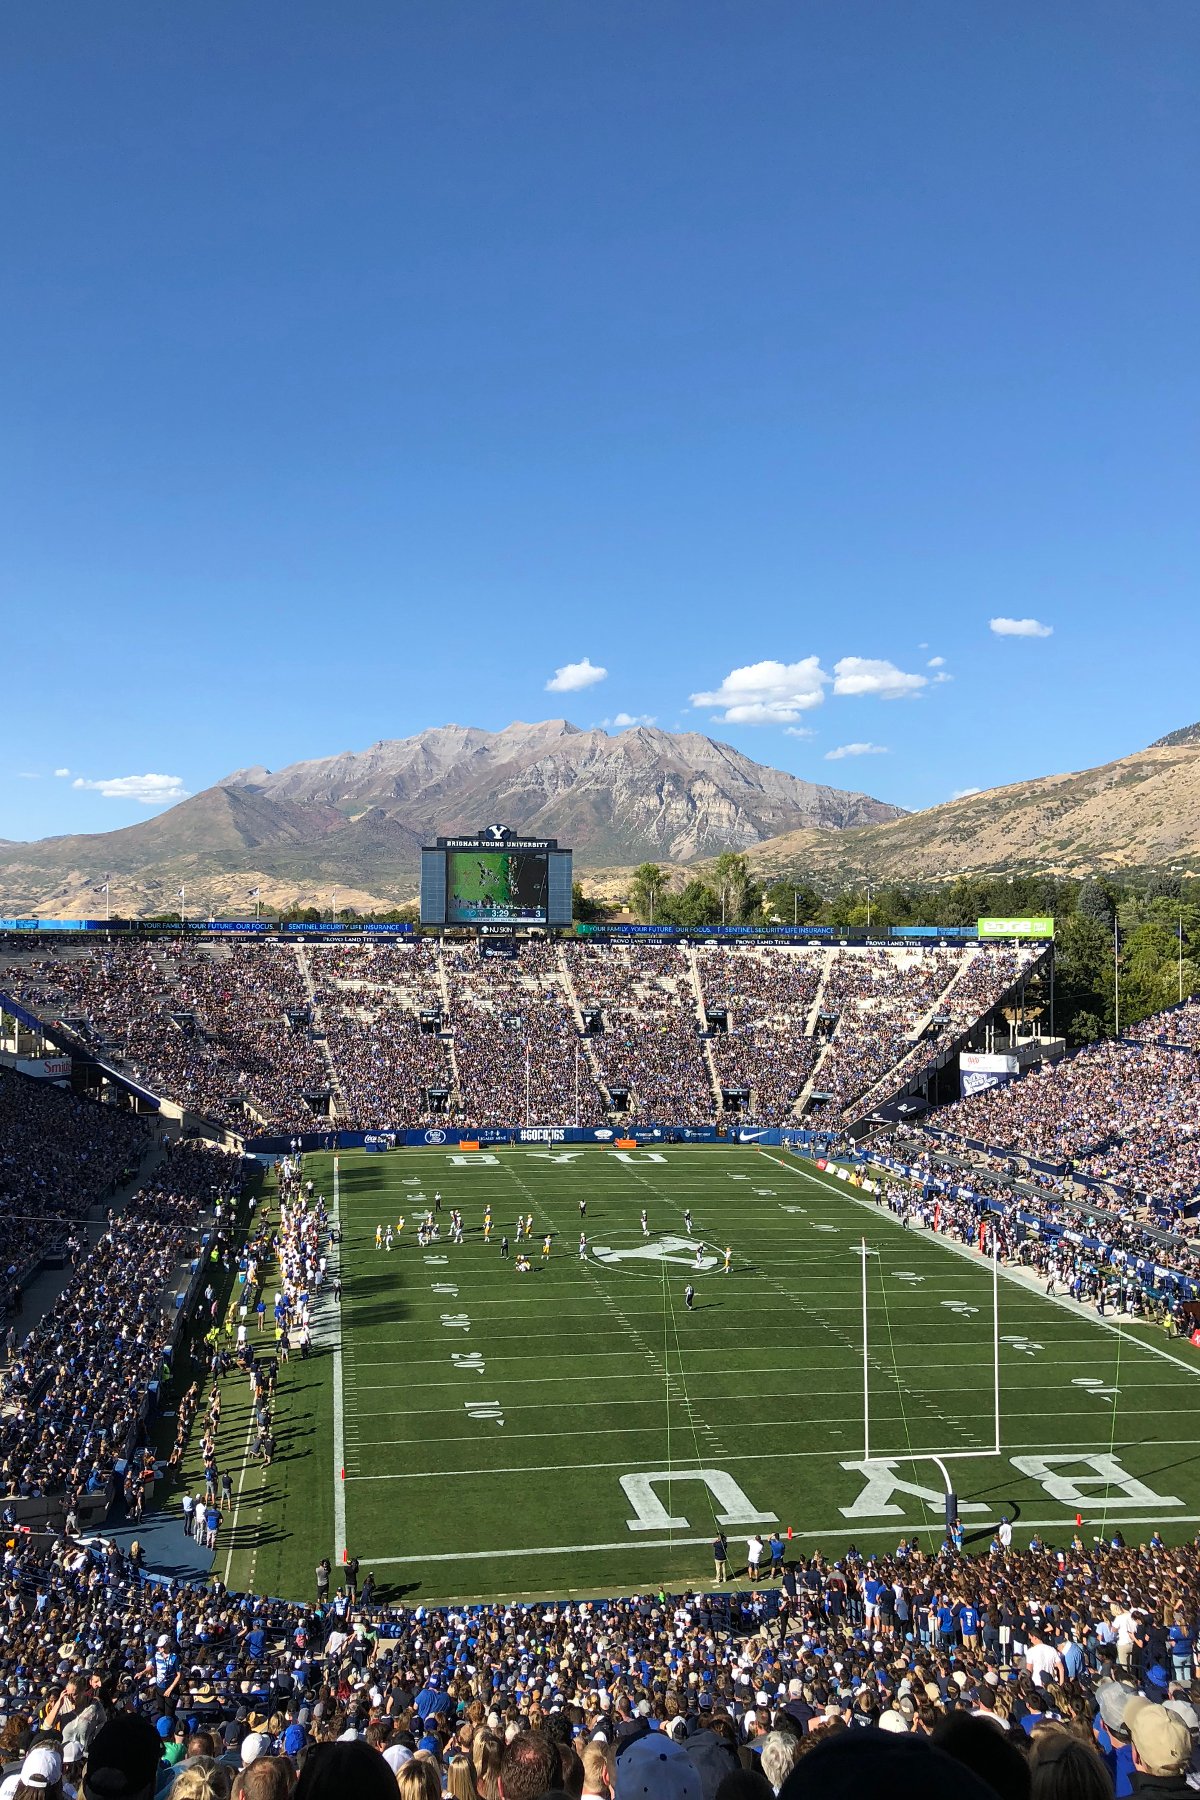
<point x="503" y="887"/>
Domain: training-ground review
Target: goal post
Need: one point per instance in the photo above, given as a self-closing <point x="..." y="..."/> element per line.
<point x="939" y="1458"/>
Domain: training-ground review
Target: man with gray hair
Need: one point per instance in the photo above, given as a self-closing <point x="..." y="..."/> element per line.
<point x="779" y="1755"/>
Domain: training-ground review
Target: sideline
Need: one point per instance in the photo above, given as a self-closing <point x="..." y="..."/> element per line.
<point x="339" y="1425"/>
<point x="1018" y="1277"/>
<point x="828" y="1532"/>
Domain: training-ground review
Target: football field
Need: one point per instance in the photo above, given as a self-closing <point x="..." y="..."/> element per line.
<point x="476" y="1432"/>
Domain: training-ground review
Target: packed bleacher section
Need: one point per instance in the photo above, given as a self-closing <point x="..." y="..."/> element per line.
<point x="59" y="1155"/>
<point x="1088" y="1243"/>
<point x="281" y="1037"/>
<point x="1016" y="1659"/>
<point x="895" y="1011"/>
<point x="514" y="1016"/>
<point x="650" y="1046"/>
<point x="1124" y="1113"/>
<point x="218" y="1028"/>
<point x="78" y="1380"/>
<point x="372" y="999"/>
<point x="1180" y="1025"/>
<point x="768" y="999"/>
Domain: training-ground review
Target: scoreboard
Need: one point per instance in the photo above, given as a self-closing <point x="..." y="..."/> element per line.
<point x="494" y="877"/>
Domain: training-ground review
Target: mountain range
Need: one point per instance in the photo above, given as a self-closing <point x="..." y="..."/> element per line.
<point x="1140" y="812"/>
<point x="354" y="823"/>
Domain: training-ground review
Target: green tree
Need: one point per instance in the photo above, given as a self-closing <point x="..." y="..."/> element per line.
<point x="1095" y="903"/>
<point x="1083" y="976"/>
<point x="646" y="892"/>
<point x="693" y="904"/>
<point x="791" y="902"/>
<point x="586" y="908"/>
<point x="733" y="884"/>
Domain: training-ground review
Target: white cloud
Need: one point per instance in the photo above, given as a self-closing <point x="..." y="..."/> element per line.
<point x="872" y="675"/>
<point x="800" y="731"/>
<point x="575" y="675"/>
<point x="1020" y="628"/>
<point x="61" y="772"/>
<point x="147" y="790"/>
<point x="856" y="750"/>
<point x="767" y="693"/>
<point x="28" y="775"/>
<point x="623" y="720"/>
<point x="936" y="662"/>
<point x="964" y="793"/>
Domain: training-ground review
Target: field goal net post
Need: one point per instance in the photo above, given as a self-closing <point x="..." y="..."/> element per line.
<point x="939" y="1459"/>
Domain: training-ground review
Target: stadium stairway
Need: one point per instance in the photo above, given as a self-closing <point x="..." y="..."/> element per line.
<point x="814" y="1011"/>
<point x="710" y="1061"/>
<point x="310" y="988"/>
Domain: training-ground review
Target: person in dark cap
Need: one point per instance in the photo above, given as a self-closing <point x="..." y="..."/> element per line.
<point x="123" y="1760"/>
<point x="334" y="1771"/>
<point x="878" y="1765"/>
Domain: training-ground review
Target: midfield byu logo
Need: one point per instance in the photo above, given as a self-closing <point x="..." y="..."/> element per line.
<point x="659" y="1250"/>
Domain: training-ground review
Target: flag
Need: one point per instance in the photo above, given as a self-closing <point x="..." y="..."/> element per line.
<point x="254" y="892"/>
<point x="180" y="893"/>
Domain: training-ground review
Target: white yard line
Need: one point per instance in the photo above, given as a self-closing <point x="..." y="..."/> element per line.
<point x="827" y="1532"/>
<point x="339" y="1425"/>
<point x="237" y="1499"/>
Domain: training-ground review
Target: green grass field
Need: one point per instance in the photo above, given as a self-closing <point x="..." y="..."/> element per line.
<point x="507" y="1434"/>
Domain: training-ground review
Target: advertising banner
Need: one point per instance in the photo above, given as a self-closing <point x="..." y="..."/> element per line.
<point x="45" y="1068"/>
<point x="1016" y="928"/>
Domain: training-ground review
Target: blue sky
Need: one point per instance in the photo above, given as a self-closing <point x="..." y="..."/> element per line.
<point x="365" y="365"/>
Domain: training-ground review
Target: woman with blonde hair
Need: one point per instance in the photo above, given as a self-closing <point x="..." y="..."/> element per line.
<point x="460" y="1778"/>
<point x="419" y="1779"/>
<point x="485" y="1758"/>
<point x="204" y="1779"/>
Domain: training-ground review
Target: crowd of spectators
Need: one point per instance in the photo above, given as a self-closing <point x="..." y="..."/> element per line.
<point x="77" y="1383"/>
<point x="1123" y="1113"/>
<point x="517" y="1040"/>
<point x="223" y="1029"/>
<point x="372" y="999"/>
<point x="59" y="1155"/>
<point x="1095" y="1254"/>
<point x="768" y="997"/>
<point x="1003" y="1660"/>
<point x="649" y="1049"/>
<point x="1180" y="1025"/>
<point x="400" y="1035"/>
<point x="890" y="1013"/>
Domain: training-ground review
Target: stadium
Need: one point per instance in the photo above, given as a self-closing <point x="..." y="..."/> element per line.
<point x="600" y="902"/>
<point x="524" y="1262"/>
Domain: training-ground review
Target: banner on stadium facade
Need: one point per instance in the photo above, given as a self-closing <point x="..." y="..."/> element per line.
<point x="979" y="1071"/>
<point x="435" y="1137"/>
<point x="213" y="927"/>
<point x="1016" y="928"/>
<point x="933" y="931"/>
<point x="45" y="1068"/>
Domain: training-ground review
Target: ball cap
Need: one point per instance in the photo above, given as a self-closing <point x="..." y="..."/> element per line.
<point x="656" y="1768"/>
<point x="1161" y="1740"/>
<point x="42" y="1768"/>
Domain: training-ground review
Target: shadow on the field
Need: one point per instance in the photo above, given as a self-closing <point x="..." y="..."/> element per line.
<point x="391" y="1592"/>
